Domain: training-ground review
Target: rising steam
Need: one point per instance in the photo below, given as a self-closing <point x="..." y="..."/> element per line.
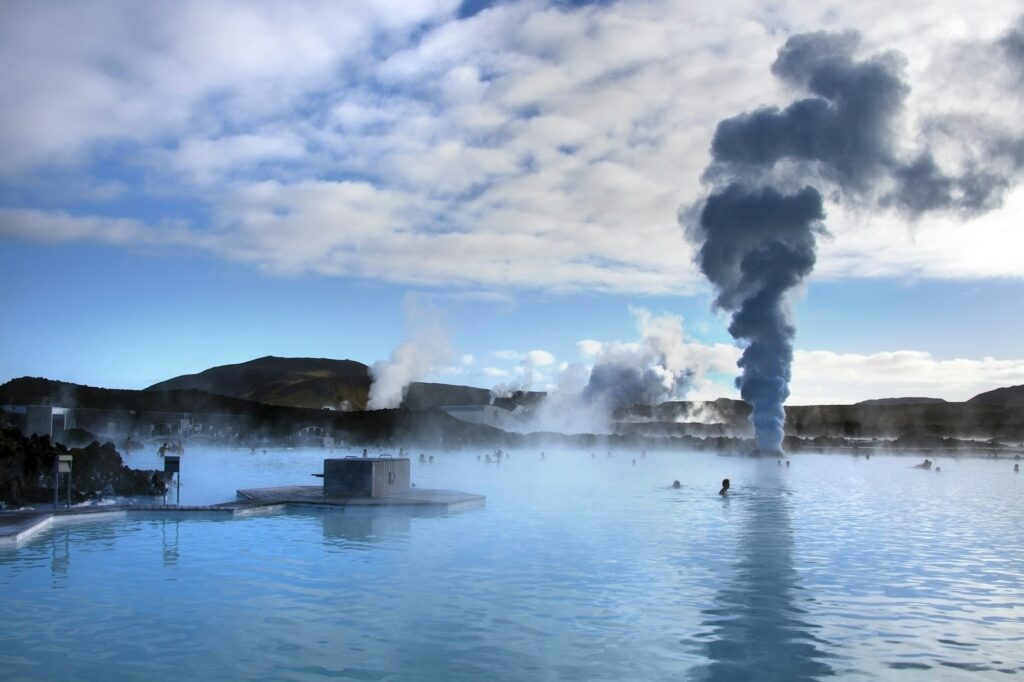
<point x="658" y="367"/>
<point x="756" y="231"/>
<point x="426" y="347"/>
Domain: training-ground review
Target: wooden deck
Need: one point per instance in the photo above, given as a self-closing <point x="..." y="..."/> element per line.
<point x="17" y="526"/>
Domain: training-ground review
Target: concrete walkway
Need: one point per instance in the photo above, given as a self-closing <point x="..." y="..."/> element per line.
<point x="16" y="526"/>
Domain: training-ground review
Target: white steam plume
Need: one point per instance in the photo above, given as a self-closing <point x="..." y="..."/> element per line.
<point x="660" y="366"/>
<point x="523" y="382"/>
<point x="426" y="347"/>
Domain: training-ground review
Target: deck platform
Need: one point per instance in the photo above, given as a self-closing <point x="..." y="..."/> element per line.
<point x="16" y="526"/>
<point x="444" y="500"/>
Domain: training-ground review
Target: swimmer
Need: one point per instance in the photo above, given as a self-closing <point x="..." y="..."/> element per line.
<point x="634" y="462"/>
<point x="542" y="454"/>
<point x="938" y="469"/>
<point x="1016" y="468"/>
<point x="424" y="459"/>
<point x="787" y="463"/>
<point x="676" y="485"/>
<point x="780" y="462"/>
<point x="725" y="486"/>
<point x="364" y="453"/>
<point x="431" y="459"/>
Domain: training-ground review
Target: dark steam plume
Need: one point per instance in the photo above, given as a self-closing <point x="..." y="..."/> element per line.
<point x="757" y="245"/>
<point x="756" y="230"/>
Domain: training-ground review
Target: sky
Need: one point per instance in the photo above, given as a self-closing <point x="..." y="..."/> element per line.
<point x="190" y="184"/>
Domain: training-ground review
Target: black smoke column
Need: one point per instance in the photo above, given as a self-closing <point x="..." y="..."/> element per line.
<point x="756" y="232"/>
<point x="757" y="245"/>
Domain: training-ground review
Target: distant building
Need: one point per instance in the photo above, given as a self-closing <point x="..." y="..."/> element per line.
<point x="45" y="420"/>
<point x="315" y="436"/>
<point x="488" y="415"/>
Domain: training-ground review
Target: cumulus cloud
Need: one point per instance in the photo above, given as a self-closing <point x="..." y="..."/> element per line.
<point x="588" y="348"/>
<point x="824" y="377"/>
<point x="534" y="144"/>
<point x="540" y="358"/>
<point x="528" y="146"/>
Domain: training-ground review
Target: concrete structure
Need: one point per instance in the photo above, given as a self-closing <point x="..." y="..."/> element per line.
<point x="488" y="415"/>
<point x="18" y="526"/>
<point x="46" y="420"/>
<point x="371" y="477"/>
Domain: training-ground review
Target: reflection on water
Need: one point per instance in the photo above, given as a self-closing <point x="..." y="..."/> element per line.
<point x="170" y="529"/>
<point x="60" y="557"/>
<point x="360" y="529"/>
<point x="757" y="629"/>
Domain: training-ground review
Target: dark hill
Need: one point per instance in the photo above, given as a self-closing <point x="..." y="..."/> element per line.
<point x="292" y="382"/>
<point x="320" y="382"/>
<point x="1010" y="395"/>
<point x="901" y="401"/>
<point x="425" y="396"/>
<point x="134" y="411"/>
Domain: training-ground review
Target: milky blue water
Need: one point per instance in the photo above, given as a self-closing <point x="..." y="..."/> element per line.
<point x="576" y="569"/>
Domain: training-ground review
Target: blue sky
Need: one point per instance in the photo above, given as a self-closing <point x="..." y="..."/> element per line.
<point x="194" y="184"/>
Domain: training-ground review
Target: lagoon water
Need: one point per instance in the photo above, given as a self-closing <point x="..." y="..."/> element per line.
<point x="577" y="568"/>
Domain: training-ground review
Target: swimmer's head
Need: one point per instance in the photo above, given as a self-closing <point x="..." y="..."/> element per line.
<point x="675" y="484"/>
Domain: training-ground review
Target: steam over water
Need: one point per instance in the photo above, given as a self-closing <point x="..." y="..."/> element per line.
<point x="578" y="568"/>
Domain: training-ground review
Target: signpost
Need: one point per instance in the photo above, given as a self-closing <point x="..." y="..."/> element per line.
<point x="172" y="465"/>
<point x="61" y="465"/>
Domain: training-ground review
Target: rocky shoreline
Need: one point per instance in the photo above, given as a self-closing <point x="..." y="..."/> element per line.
<point x="26" y="471"/>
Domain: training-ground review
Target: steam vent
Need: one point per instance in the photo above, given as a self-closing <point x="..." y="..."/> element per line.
<point x="368" y="482"/>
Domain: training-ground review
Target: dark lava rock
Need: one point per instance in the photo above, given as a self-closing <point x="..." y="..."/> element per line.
<point x="26" y="471"/>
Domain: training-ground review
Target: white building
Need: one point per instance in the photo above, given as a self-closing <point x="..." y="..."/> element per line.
<point x="488" y="415"/>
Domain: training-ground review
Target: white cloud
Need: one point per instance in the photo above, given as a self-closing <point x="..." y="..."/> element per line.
<point x="525" y="147"/>
<point x="494" y="372"/>
<point x="207" y="160"/>
<point x="823" y="377"/>
<point x="588" y="348"/>
<point x="540" y="358"/>
<point x="506" y="354"/>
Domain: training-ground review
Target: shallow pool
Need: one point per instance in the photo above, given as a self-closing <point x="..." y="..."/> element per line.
<point x="579" y="567"/>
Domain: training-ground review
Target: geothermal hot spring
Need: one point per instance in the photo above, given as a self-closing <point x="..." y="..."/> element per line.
<point x="577" y="568"/>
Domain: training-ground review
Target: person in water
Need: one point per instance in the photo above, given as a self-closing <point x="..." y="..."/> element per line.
<point x="725" y="486"/>
<point x="676" y="485"/>
<point x="1016" y="468"/>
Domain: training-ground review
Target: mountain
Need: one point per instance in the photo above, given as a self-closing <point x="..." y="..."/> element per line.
<point x="1010" y="395"/>
<point x="320" y="382"/>
<point x="901" y="401"/>
<point x="291" y="382"/>
<point x="105" y="410"/>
